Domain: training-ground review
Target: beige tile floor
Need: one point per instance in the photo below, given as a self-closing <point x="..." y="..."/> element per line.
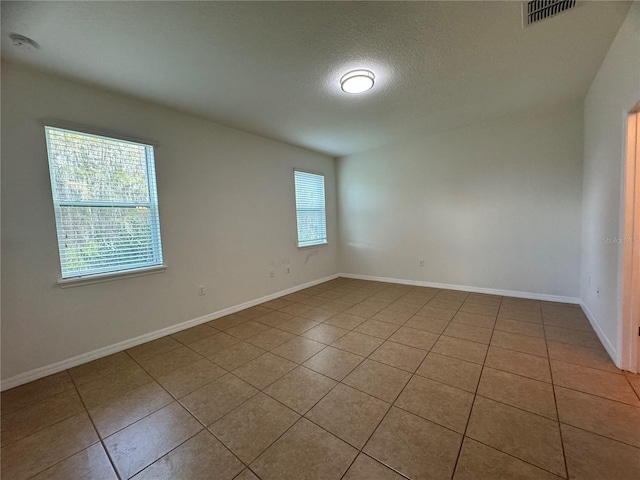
<point x="348" y="380"/>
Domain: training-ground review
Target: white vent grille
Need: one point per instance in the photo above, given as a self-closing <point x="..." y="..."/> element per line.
<point x="538" y="10"/>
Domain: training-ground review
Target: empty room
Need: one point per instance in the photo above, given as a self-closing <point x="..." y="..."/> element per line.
<point x="302" y="240"/>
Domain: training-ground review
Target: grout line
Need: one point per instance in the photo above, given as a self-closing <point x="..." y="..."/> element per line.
<point x="637" y="392"/>
<point x="518" y="374"/>
<point x="4" y="444"/>
<point x="601" y="435"/>
<point x="597" y="396"/>
<point x="619" y="372"/>
<point x="518" y="408"/>
<point x="31" y="404"/>
<point x="518" y="351"/>
<point x="400" y="474"/>
<point x="516" y="458"/>
<point x="492" y="367"/>
<point x="558" y="359"/>
<point x="475" y="395"/>
<point x="68" y="457"/>
<point x="391" y="406"/>
<point x="179" y="445"/>
<point x="555" y="401"/>
<point x="100" y="439"/>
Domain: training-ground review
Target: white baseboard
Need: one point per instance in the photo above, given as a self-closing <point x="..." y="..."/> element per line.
<point x="40" y="372"/>
<point x="465" y="288"/>
<point x="606" y="343"/>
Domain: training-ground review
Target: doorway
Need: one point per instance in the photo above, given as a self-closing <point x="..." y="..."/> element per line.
<point x="631" y="246"/>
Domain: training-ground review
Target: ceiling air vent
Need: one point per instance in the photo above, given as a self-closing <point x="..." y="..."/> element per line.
<point x="538" y="10"/>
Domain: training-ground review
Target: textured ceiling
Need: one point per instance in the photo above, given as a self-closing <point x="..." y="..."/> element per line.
<point x="272" y="68"/>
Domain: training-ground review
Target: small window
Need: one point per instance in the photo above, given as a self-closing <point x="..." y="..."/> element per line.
<point x="105" y="202"/>
<point x="310" y="209"/>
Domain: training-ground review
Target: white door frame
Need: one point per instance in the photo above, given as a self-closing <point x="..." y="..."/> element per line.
<point x="630" y="351"/>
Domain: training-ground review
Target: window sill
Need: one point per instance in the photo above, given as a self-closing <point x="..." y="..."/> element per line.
<point x="313" y="246"/>
<point x="108" y="277"/>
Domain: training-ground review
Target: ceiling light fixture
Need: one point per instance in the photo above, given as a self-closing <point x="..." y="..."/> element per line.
<point x="357" y="81"/>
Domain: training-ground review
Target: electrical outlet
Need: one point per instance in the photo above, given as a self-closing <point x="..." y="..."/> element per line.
<point x="598" y="290"/>
<point x="201" y="290"/>
<point x="421" y="262"/>
<point x="272" y="274"/>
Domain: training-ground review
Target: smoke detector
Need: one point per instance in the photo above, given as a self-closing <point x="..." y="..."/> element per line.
<point x="538" y="10"/>
<point x="23" y="43"/>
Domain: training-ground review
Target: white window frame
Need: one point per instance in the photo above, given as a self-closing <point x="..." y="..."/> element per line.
<point x="319" y="241"/>
<point x="107" y="273"/>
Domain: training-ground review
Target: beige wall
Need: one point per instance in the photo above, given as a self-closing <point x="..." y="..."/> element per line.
<point x="494" y="205"/>
<point x="613" y="93"/>
<point x="227" y="216"/>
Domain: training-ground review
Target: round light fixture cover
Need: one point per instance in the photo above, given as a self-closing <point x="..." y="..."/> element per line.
<point x="357" y="81"/>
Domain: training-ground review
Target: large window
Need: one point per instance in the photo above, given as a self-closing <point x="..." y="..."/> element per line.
<point x="310" y="209"/>
<point x="105" y="202"/>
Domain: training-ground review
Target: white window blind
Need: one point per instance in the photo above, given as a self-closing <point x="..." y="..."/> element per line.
<point x="105" y="201"/>
<point x="310" y="209"/>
